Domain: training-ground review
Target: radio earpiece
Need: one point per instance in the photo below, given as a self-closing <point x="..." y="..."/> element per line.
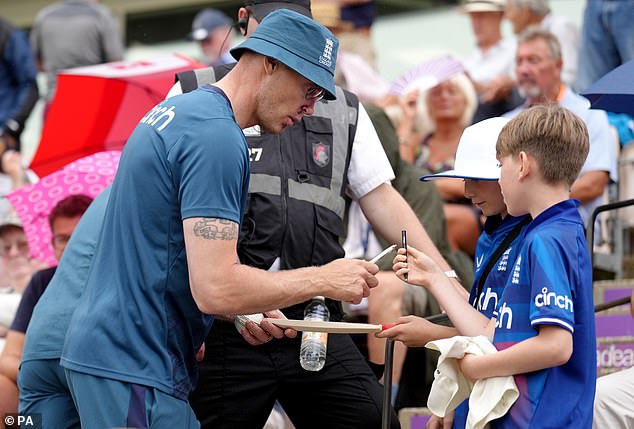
<point x="243" y="24"/>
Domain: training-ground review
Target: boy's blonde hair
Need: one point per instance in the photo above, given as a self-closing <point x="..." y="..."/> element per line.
<point x="556" y="137"/>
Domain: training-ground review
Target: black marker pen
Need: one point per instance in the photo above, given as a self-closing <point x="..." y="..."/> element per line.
<point x="404" y="246"/>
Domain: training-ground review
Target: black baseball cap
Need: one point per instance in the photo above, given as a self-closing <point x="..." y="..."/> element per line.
<point x="261" y="8"/>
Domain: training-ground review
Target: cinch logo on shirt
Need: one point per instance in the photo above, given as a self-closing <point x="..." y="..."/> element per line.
<point x="551" y="298"/>
<point x="504" y="312"/>
<point x="326" y="57"/>
<point x="485" y="299"/>
<point x="505" y="260"/>
<point x="516" y="272"/>
<point x="157" y="114"/>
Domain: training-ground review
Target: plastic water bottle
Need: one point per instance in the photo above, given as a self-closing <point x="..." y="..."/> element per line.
<point x="312" y="354"/>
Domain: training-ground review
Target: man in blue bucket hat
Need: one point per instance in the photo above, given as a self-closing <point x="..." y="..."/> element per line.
<point x="300" y="182"/>
<point x="302" y="47"/>
<point x="166" y="257"/>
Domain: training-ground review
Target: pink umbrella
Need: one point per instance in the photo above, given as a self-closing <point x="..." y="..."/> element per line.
<point x="33" y="203"/>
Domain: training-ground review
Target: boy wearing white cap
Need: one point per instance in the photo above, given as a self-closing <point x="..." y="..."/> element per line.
<point x="496" y="249"/>
<point x="543" y="323"/>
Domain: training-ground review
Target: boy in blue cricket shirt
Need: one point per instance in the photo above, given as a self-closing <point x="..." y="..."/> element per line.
<point x="543" y="326"/>
<point x="497" y="247"/>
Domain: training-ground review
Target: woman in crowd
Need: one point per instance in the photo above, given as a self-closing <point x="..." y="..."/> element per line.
<point x="430" y="124"/>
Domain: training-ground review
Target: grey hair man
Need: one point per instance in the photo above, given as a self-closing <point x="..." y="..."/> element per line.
<point x="528" y="13"/>
<point x="538" y="73"/>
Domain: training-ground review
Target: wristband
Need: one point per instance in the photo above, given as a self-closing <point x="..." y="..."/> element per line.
<point x="452" y="274"/>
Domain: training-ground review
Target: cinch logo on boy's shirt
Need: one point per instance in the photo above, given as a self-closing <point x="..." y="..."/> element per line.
<point x="485" y="299"/>
<point x="326" y="57"/>
<point x="505" y="313"/>
<point x="516" y="272"/>
<point x="157" y="114"/>
<point x="551" y="298"/>
<point x="505" y="260"/>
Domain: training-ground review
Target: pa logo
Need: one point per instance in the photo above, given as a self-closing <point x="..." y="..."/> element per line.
<point x="321" y="154"/>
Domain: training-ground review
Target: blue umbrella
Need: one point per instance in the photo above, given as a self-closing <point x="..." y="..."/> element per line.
<point x="614" y="92"/>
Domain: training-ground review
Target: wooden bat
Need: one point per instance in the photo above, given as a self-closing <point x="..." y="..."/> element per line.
<point x="330" y="327"/>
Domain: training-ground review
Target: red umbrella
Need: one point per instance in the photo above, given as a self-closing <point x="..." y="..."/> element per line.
<point x="96" y="108"/>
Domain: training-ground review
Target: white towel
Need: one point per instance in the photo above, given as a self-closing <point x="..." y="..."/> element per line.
<point x="489" y="398"/>
<point x="9" y="302"/>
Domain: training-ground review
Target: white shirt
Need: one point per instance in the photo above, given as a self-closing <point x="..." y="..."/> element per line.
<point x="567" y="33"/>
<point x="497" y="61"/>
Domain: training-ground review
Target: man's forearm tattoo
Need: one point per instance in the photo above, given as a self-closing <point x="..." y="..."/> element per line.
<point x="216" y="229"/>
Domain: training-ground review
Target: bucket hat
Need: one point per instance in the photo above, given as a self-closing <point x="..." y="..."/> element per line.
<point x="475" y="156"/>
<point x="300" y="43"/>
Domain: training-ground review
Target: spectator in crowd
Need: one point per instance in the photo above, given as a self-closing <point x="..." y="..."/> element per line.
<point x="538" y="71"/>
<point x="213" y="30"/>
<point x="441" y="114"/>
<point x="16" y="268"/>
<point x="13" y="177"/>
<point x="74" y="33"/>
<point x="354" y="72"/>
<point x="490" y="66"/>
<point x="607" y="39"/>
<point x="355" y="35"/>
<point x="14" y="245"/>
<point x="18" y="87"/>
<point x="63" y="219"/>
<point x="16" y="259"/>
<point x="526" y="13"/>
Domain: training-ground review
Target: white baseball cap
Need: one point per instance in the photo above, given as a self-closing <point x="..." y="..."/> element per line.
<point x="475" y="156"/>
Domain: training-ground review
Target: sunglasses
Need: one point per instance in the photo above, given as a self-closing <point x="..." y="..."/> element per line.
<point x="314" y="93"/>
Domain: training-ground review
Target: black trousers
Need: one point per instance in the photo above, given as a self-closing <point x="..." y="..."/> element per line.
<point x="239" y="383"/>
